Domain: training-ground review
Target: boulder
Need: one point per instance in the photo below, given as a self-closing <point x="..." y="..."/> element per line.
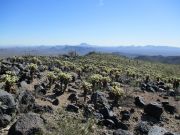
<point x="161" y="90"/>
<point x="40" y="90"/>
<point x="143" y="86"/>
<point x="162" y="86"/>
<point x="106" y="112"/>
<point x="42" y="109"/>
<point x="149" y="88"/>
<point x="88" y="110"/>
<point x="169" y="108"/>
<point x="98" y="115"/>
<point x="139" y="101"/>
<point x="177" y="117"/>
<point x="4" y="120"/>
<point x="7" y="103"/>
<point x="27" y="124"/>
<point x="55" y="102"/>
<point x="172" y="93"/>
<point x="23" y="84"/>
<point x="155" y="130"/>
<point x="125" y="115"/>
<point x="154" y="109"/>
<point x="73" y="97"/>
<point x="108" y="123"/>
<point x="72" y="108"/>
<point x="20" y="66"/>
<point x="72" y="90"/>
<point x="99" y="99"/>
<point x="161" y="83"/>
<point x="15" y="70"/>
<point x="122" y="132"/>
<point x="155" y="87"/>
<point x="122" y="125"/>
<point x="142" y="128"/>
<point x="26" y="101"/>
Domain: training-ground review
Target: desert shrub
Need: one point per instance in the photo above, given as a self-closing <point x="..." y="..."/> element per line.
<point x="64" y="78"/>
<point x="10" y="81"/>
<point x="66" y="123"/>
<point x="51" y="77"/>
<point x="117" y="92"/>
<point x="86" y="86"/>
<point x="96" y="80"/>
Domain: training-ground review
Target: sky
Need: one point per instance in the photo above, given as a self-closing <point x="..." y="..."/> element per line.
<point x="96" y="22"/>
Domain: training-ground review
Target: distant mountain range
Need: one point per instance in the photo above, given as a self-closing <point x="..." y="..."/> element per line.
<point x="84" y="48"/>
<point x="162" y="59"/>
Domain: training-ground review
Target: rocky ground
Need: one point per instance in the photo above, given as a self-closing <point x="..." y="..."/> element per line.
<point x="36" y="108"/>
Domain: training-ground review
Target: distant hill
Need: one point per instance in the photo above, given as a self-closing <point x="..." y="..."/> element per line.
<point x="162" y="59"/>
<point x="84" y="48"/>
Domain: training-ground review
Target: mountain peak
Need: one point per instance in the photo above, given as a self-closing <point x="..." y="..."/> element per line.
<point x="85" y="44"/>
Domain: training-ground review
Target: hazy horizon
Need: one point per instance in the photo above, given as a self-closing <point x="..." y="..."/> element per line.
<point x="90" y="45"/>
<point x="96" y="22"/>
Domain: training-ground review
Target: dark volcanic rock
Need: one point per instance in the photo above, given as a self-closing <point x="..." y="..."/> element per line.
<point x="142" y="128"/>
<point x="169" y="108"/>
<point x="72" y="90"/>
<point x="143" y="86"/>
<point x="42" y="109"/>
<point x="8" y="105"/>
<point x="125" y="115"/>
<point x="155" y="130"/>
<point x="177" y="117"/>
<point x="40" y="90"/>
<point x="27" y="124"/>
<point x="172" y="93"/>
<point x="154" y="109"/>
<point x="122" y="125"/>
<point x="26" y="101"/>
<point x="72" y="108"/>
<point x="4" y="120"/>
<point x="139" y="101"/>
<point x="99" y="100"/>
<point x="73" y="97"/>
<point x="55" y="102"/>
<point x="106" y="112"/>
<point x="108" y="123"/>
<point x="98" y="115"/>
<point x="122" y="132"/>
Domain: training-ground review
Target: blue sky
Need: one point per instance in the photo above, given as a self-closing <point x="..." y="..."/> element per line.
<point x="97" y="22"/>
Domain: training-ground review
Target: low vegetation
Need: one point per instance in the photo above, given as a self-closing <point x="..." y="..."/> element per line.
<point x="93" y="94"/>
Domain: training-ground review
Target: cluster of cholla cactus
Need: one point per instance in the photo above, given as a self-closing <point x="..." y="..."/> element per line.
<point x="32" y="67"/>
<point x="64" y="79"/>
<point x="86" y="86"/>
<point x="10" y="81"/>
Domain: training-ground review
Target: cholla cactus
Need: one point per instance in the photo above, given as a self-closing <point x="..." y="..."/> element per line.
<point x="13" y="59"/>
<point x="35" y="60"/>
<point x="20" y="59"/>
<point x="10" y="73"/>
<point x="96" y="80"/>
<point x="51" y="77"/>
<point x="58" y="63"/>
<point x="118" y="93"/>
<point x="105" y="80"/>
<point x="57" y="70"/>
<point x="79" y="71"/>
<point x="33" y="68"/>
<point x="86" y="87"/>
<point x="10" y="81"/>
<point x="64" y="78"/>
